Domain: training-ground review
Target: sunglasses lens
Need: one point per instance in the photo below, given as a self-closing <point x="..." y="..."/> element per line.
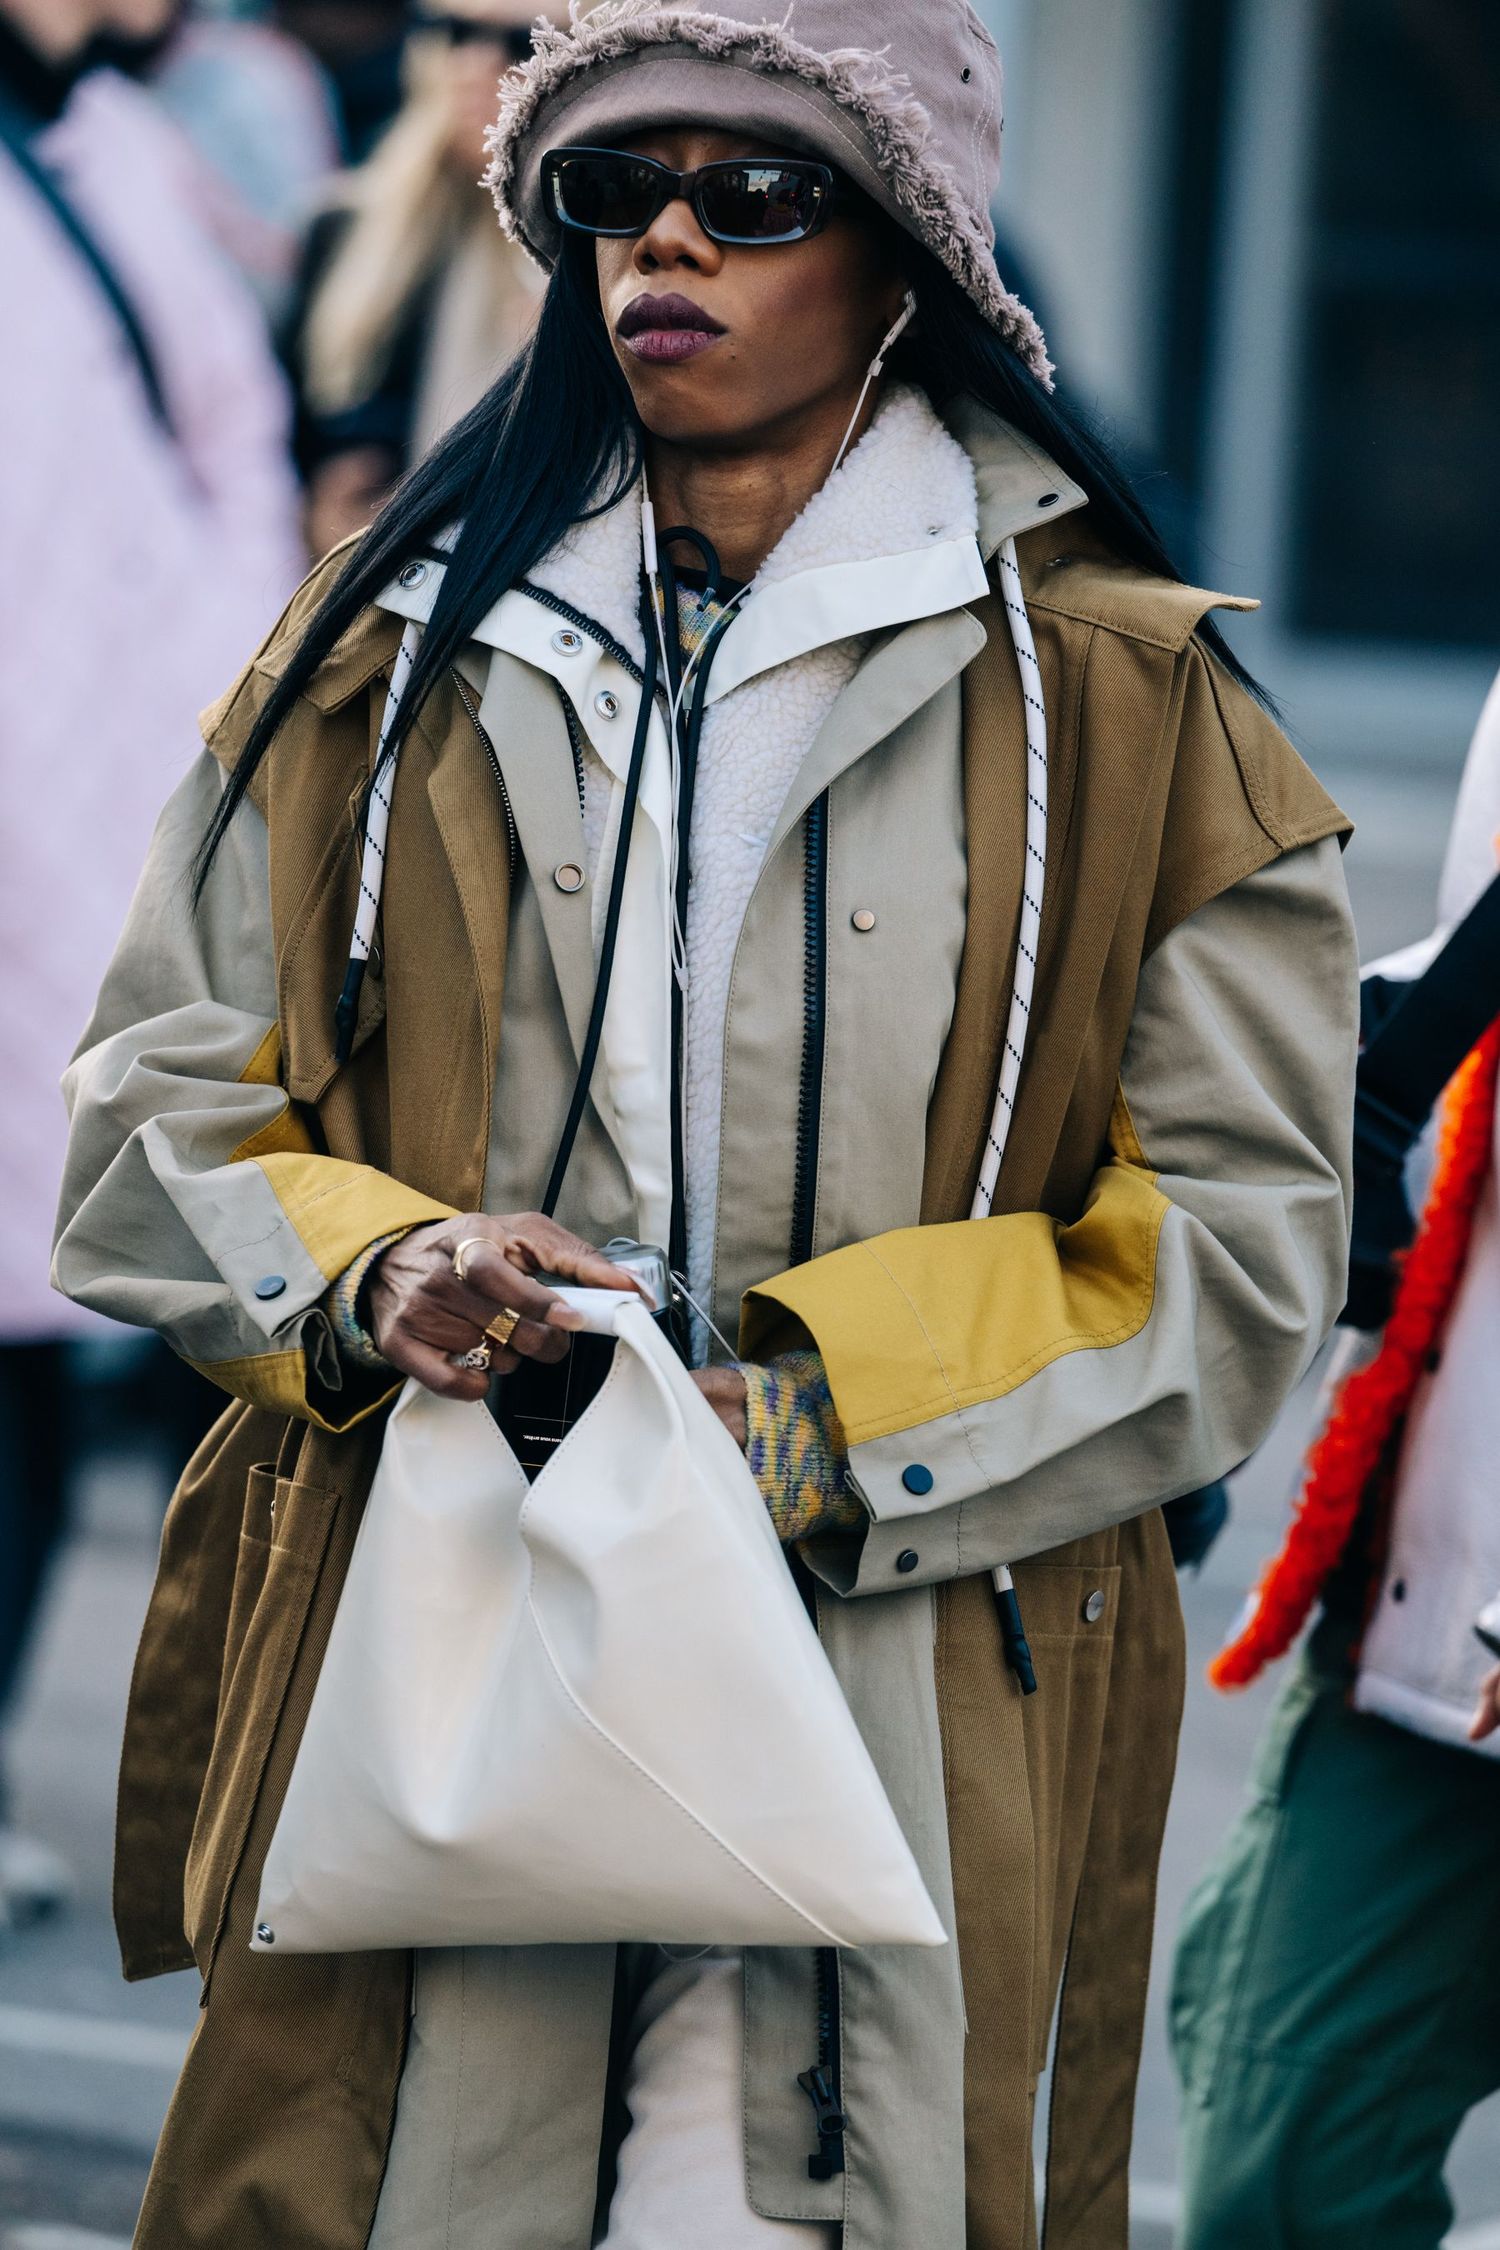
<point x="758" y="202"/>
<point x="605" y="194"/>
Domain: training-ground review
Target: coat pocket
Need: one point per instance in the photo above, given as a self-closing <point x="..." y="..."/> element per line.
<point x="251" y="1566"/>
<point x="1069" y="1610"/>
<point x="283" y="1544"/>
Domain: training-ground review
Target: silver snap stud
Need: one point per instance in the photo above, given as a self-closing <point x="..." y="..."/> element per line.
<point x="1093" y="1608"/>
<point x="863" y="920"/>
<point x="413" y="575"/>
<point x="569" y="877"/>
<point x="607" y="705"/>
<point x="265" y="1933"/>
<point x="567" y="642"/>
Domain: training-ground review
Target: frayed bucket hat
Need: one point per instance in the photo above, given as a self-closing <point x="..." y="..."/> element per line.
<point x="901" y="96"/>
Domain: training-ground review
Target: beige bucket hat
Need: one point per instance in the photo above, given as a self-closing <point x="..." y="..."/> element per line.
<point x="902" y="96"/>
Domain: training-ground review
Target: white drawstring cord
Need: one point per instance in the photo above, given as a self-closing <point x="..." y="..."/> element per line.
<point x="1033" y="883"/>
<point x="378" y="811"/>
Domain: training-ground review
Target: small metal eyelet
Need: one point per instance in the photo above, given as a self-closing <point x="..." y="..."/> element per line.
<point x="607" y="705"/>
<point x="567" y="642"/>
<point x="413" y="575"/>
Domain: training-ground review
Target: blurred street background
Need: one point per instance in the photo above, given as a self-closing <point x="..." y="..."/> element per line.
<point x="1262" y="238"/>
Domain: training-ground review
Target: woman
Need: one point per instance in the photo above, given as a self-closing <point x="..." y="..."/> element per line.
<point x="409" y="300"/>
<point x="144" y="457"/>
<point x="927" y="1399"/>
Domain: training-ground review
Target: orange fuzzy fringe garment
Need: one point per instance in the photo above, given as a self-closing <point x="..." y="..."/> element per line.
<point x="1372" y="1403"/>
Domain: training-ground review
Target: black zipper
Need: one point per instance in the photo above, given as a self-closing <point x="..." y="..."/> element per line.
<point x="814" y="1028"/>
<point x="575" y="741"/>
<point x="585" y="624"/>
<point x="467" y="700"/>
<point x="823" y="2083"/>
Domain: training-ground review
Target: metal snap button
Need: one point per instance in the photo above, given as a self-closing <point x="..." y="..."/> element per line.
<point x="569" y="877"/>
<point x="270" y="1285"/>
<point x="413" y="574"/>
<point x="1049" y="499"/>
<point x="567" y="642"/>
<point x="265" y="1933"/>
<point x="907" y="1560"/>
<point x="1093" y="1608"/>
<point x="607" y="705"/>
<point x="863" y="919"/>
<point x="917" y="1478"/>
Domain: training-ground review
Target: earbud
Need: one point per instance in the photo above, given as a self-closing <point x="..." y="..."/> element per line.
<point x="904" y="319"/>
<point x="897" y="330"/>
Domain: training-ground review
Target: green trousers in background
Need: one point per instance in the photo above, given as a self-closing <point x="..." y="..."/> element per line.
<point x="1336" y="1996"/>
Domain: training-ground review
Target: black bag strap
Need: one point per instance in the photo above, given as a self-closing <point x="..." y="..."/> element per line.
<point x="15" y="137"/>
<point x="590" y="1055"/>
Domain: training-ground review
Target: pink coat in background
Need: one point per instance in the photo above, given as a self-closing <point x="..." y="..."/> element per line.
<point x="137" y="574"/>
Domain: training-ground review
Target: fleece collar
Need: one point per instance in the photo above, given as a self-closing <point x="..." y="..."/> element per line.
<point x="918" y="508"/>
<point x="891" y="537"/>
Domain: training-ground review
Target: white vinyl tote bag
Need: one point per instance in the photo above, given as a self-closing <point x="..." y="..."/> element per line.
<point x="589" y="1708"/>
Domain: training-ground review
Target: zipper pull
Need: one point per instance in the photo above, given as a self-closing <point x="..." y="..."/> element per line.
<point x="830" y="2123"/>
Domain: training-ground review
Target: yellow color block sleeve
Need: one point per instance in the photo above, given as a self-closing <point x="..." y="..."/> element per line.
<point x="1010" y="1384"/>
<point x="930" y="1321"/>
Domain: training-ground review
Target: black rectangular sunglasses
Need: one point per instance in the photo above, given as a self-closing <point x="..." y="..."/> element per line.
<point x="746" y="201"/>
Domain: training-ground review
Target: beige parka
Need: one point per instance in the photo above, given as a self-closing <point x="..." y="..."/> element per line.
<point x="1167" y="1252"/>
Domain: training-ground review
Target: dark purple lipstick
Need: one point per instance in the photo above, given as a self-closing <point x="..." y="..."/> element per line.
<point x="667" y="329"/>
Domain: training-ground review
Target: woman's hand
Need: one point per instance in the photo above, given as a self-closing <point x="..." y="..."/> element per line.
<point x="724" y="1388"/>
<point x="1487" y="1711"/>
<point x="422" y="1316"/>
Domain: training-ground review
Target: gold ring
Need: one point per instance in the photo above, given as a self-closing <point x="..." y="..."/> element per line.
<point x="470" y="1242"/>
<point x="502" y="1328"/>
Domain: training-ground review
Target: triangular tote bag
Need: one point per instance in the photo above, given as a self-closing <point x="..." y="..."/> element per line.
<point x="589" y="1708"/>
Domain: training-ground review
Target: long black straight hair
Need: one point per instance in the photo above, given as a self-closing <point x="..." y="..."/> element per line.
<point x="556" y="439"/>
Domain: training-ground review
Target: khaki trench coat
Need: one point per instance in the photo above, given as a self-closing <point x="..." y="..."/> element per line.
<point x="1167" y="1253"/>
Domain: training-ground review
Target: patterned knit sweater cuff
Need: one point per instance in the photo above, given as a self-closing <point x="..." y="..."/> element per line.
<point x="347" y="1309"/>
<point x="795" y="1447"/>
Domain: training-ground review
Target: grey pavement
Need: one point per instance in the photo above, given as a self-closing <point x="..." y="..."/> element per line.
<point x="86" y="2062"/>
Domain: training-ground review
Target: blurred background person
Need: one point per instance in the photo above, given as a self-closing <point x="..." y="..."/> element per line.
<point x="409" y="299"/>
<point x="258" y="111"/>
<point x="150" y="515"/>
<point x="1334" y="1998"/>
<point x="358" y="44"/>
